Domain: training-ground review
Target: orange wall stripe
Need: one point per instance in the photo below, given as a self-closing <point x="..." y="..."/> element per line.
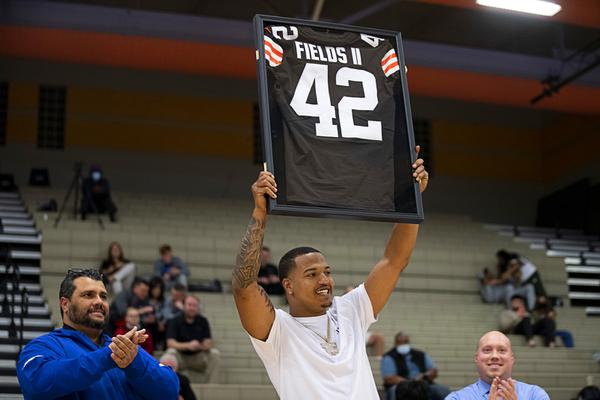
<point x="502" y="90"/>
<point x="238" y="62"/>
<point x="127" y="51"/>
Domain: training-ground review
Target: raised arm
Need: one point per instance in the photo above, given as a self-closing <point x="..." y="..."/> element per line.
<point x="383" y="277"/>
<point x="253" y="304"/>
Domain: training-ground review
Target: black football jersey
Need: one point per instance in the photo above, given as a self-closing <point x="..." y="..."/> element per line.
<point x="337" y="113"/>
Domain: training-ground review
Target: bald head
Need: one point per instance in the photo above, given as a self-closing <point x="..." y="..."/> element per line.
<point x="494" y="356"/>
<point x="494" y="336"/>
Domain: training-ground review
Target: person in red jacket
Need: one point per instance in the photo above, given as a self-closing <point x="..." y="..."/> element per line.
<point x="132" y="318"/>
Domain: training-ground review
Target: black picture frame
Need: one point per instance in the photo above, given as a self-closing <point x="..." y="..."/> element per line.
<point x="272" y="158"/>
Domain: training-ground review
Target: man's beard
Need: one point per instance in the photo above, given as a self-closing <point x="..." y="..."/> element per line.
<point x="82" y="317"/>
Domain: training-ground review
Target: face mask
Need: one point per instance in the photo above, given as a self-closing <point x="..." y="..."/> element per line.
<point x="96" y="175"/>
<point x="403" y="349"/>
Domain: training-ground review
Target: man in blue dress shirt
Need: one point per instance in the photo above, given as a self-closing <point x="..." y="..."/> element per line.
<point x="495" y="360"/>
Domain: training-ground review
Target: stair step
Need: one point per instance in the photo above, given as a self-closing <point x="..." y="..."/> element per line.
<point x="9" y="351"/>
<point x="8" y="348"/>
<point x="9" y="384"/>
<point x="27" y="336"/>
<point x="17" y="299"/>
<point x="12" y="208"/>
<point x="583" y="269"/>
<point x="21" y="239"/>
<point x="583" y="282"/>
<point x="28" y="322"/>
<point x="16" y="222"/>
<point x="14" y="215"/>
<point x="25" y="255"/>
<point x="584" y="296"/>
<point x="595" y="311"/>
<point x="592" y="254"/>
<point x="32" y="312"/>
<point x="11" y="202"/>
<point x="31" y="287"/>
<point x="23" y="270"/>
<point x="18" y="230"/>
<point x="562" y="253"/>
<point x="8" y="365"/>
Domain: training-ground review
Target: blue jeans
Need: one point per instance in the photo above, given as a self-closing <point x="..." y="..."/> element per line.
<point x="566" y="337"/>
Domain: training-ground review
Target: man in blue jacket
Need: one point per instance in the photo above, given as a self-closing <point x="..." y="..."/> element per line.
<point x="80" y="362"/>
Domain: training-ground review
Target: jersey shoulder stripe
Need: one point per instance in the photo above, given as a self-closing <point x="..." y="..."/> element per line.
<point x="389" y="63"/>
<point x="273" y="52"/>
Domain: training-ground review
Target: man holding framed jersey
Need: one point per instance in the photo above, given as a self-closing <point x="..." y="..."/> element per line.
<point x="317" y="350"/>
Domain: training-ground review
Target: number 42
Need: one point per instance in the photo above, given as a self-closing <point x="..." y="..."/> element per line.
<point x="316" y="75"/>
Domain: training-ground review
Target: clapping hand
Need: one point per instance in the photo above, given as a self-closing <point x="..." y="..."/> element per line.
<point x="125" y="347"/>
<point x="503" y="389"/>
<point x="507" y="390"/>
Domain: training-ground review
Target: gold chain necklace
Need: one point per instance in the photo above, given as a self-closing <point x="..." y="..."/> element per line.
<point x="329" y="346"/>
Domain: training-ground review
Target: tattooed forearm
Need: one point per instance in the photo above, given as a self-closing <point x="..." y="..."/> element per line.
<point x="248" y="259"/>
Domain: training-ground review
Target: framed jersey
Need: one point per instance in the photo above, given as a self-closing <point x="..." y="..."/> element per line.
<point x="336" y="121"/>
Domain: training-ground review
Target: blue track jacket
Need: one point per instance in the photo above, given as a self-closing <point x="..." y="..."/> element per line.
<point x="66" y="364"/>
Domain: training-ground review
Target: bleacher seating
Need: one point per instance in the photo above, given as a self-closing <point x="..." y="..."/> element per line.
<point x="581" y="255"/>
<point x="436" y="303"/>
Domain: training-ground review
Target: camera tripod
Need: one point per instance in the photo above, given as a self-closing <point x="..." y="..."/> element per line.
<point x="76" y="186"/>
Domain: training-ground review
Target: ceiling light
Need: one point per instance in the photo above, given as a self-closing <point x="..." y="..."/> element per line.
<point x="539" y="7"/>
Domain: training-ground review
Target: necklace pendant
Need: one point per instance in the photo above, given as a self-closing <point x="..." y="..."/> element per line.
<point x="330" y="348"/>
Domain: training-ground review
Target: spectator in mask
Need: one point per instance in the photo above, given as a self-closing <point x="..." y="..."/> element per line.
<point x="403" y="363"/>
<point x="96" y="195"/>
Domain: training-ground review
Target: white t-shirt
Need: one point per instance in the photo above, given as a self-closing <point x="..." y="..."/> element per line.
<point x="527" y="269"/>
<point x="300" y="368"/>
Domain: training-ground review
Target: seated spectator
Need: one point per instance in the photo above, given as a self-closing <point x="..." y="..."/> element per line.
<point x="174" y="303"/>
<point x="544" y="309"/>
<point x="185" y="389"/>
<point x="501" y="286"/>
<point x="158" y="302"/>
<point x="189" y="339"/>
<point x="136" y="297"/>
<point x="403" y="363"/>
<point x="171" y="268"/>
<point x="117" y="271"/>
<point x="268" y="275"/>
<point x="132" y="318"/>
<point x="411" y="390"/>
<point x="589" y="393"/>
<point x="96" y="198"/>
<point x="522" y="274"/>
<point x="543" y="323"/>
<point x="530" y="275"/>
